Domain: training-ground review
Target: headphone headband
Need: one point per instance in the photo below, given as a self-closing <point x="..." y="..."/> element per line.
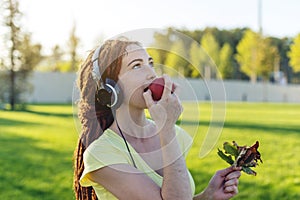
<point x="109" y="85"/>
<point x="96" y="69"/>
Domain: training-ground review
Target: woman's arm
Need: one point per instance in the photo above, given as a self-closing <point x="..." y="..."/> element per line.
<point x="176" y="182"/>
<point x="126" y="182"/>
<point x="165" y="112"/>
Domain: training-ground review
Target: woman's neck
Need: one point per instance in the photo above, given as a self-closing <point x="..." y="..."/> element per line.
<point x="132" y="122"/>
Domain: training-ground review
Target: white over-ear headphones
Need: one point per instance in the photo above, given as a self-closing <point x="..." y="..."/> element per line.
<point x="107" y="94"/>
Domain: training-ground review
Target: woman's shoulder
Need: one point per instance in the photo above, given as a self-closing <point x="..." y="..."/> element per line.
<point x="109" y="139"/>
<point x="108" y="149"/>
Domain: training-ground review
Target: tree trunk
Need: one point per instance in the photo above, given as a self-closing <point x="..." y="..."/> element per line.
<point x="253" y="78"/>
<point x="12" y="90"/>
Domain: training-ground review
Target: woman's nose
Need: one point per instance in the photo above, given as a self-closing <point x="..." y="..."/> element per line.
<point x="151" y="74"/>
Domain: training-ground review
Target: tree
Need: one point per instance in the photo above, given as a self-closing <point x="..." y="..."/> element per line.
<point x="269" y="60"/>
<point x="294" y="54"/>
<point x="31" y="54"/>
<point x="21" y="55"/>
<point x="162" y="43"/>
<point x="56" y="58"/>
<point x="247" y="54"/>
<point x="73" y="45"/>
<point x="211" y="60"/>
<point x="156" y="54"/>
<point x="12" y="15"/>
<point x="211" y="46"/>
<point x="256" y="55"/>
<point x="195" y="53"/>
<point x="225" y="65"/>
<point x="176" y="58"/>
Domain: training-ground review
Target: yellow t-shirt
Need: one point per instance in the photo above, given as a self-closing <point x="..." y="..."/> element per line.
<point x="110" y="149"/>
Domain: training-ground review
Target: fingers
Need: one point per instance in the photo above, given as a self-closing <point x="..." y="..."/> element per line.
<point x="233" y="175"/>
<point x="148" y="98"/>
<point x="233" y="189"/>
<point x="167" y="86"/>
<point x="230" y="188"/>
<point x="226" y="171"/>
<point x="231" y="182"/>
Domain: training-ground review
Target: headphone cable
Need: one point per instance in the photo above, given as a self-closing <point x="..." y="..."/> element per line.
<point x="126" y="144"/>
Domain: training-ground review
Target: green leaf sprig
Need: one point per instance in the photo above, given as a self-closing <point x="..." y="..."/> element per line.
<point x="241" y="156"/>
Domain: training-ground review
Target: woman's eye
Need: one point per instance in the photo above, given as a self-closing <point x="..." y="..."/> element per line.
<point x="151" y="64"/>
<point x="136" y="66"/>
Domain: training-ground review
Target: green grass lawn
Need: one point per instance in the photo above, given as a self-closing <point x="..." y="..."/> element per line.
<point x="36" y="149"/>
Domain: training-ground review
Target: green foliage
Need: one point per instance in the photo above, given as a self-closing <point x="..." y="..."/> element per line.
<point x="211" y="46"/>
<point x="269" y="58"/>
<point x="162" y="42"/>
<point x="176" y="58"/>
<point x="195" y="58"/>
<point x="265" y="55"/>
<point x="256" y="55"/>
<point x="248" y="53"/>
<point x="156" y="54"/>
<point x="294" y="54"/>
<point x="226" y="65"/>
<point x="230" y="149"/>
<point x="31" y="54"/>
<point x="227" y="158"/>
<point x="241" y="154"/>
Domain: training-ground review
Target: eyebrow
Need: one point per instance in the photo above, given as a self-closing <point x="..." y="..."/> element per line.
<point x="140" y="60"/>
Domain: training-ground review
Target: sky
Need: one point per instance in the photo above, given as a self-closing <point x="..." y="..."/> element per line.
<point x="50" y="21"/>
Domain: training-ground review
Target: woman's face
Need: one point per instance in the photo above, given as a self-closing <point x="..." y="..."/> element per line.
<point x="136" y="74"/>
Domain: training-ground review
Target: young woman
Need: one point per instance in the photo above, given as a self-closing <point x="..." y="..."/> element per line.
<point x="123" y="155"/>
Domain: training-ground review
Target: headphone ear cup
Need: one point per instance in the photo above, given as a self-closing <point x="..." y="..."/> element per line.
<point x="110" y="95"/>
<point x="103" y="97"/>
<point x="116" y="93"/>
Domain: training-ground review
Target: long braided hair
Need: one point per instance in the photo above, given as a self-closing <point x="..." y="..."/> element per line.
<point x="95" y="118"/>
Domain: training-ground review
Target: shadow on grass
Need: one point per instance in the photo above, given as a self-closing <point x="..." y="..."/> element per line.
<point x="55" y="114"/>
<point x="13" y="122"/>
<point x="273" y="128"/>
<point x="29" y="171"/>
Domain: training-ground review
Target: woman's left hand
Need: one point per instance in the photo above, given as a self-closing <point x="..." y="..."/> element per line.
<point x="223" y="185"/>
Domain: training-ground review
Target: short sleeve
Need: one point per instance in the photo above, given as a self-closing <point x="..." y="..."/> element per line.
<point x="184" y="139"/>
<point x="101" y="153"/>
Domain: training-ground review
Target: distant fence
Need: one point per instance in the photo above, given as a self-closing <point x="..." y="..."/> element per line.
<point x="57" y="87"/>
<point x="52" y="87"/>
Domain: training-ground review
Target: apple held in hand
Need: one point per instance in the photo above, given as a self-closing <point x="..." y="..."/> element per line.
<point x="157" y="88"/>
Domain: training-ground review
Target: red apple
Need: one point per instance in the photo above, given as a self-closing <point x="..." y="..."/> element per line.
<point x="157" y="88"/>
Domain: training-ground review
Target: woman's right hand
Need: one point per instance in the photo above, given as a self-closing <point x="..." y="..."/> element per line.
<point x="167" y="110"/>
